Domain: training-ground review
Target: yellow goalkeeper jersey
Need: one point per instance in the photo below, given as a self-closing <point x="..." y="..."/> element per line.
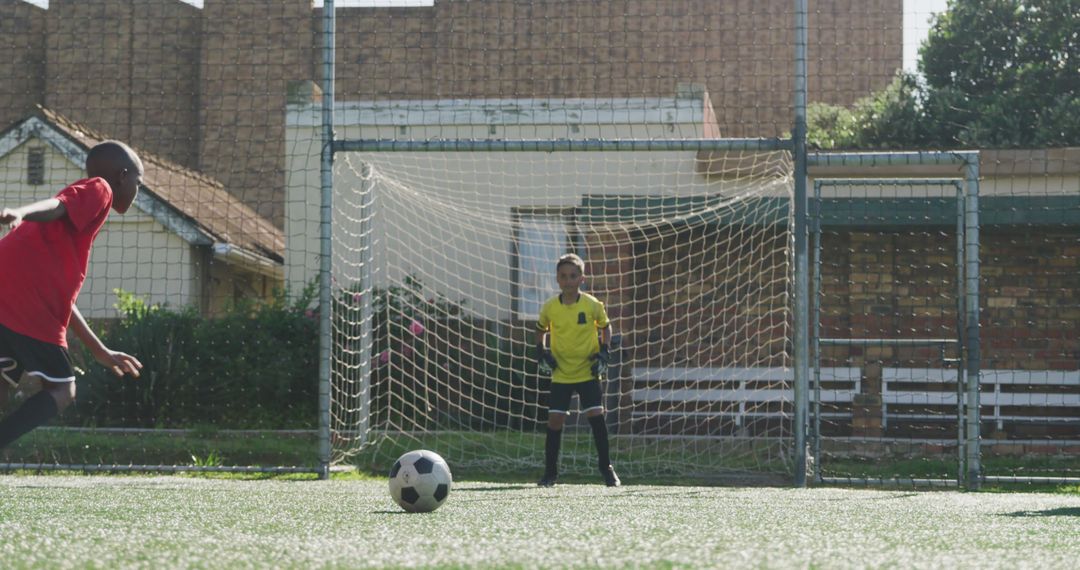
<point x="572" y="335"/>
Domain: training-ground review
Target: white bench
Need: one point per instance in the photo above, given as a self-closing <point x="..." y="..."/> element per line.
<point x="1044" y="391"/>
<point x="744" y="389"/>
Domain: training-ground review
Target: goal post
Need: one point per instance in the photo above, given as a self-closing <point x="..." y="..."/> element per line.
<point x="465" y="205"/>
<point x="460" y="255"/>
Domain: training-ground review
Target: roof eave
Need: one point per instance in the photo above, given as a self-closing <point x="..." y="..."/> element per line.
<point x="248" y="260"/>
<point x="75" y="151"/>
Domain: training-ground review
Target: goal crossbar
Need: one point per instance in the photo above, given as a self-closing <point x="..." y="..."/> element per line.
<point x="562" y="145"/>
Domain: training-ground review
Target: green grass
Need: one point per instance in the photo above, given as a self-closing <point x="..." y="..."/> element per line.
<point x="1004" y="466"/>
<point x="188" y="522"/>
<point x="516" y="457"/>
<point x="206" y="447"/>
<point x="508" y="456"/>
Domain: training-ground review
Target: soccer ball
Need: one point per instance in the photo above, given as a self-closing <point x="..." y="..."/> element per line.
<point x="420" y="481"/>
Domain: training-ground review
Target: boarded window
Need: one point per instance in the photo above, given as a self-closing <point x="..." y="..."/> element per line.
<point x="35" y="166"/>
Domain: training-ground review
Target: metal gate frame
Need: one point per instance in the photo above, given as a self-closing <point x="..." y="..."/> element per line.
<point x="967" y="363"/>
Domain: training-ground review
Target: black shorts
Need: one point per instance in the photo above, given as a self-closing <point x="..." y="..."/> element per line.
<point x="20" y="353"/>
<point x="589" y="396"/>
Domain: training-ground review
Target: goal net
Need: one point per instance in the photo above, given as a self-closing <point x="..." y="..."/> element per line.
<point x="442" y="261"/>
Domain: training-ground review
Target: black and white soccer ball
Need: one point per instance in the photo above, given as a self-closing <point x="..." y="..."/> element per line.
<point x="420" y="481"/>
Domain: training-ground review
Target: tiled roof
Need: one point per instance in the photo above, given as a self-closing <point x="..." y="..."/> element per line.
<point x="194" y="196"/>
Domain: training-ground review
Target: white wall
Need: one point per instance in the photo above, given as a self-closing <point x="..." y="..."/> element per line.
<point x="470" y="260"/>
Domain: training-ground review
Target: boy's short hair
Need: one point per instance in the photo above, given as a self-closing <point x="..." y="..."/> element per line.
<point x="116" y="152"/>
<point x="573" y="259"/>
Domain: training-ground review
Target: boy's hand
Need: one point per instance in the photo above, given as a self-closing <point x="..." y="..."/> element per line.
<point x="119" y="363"/>
<point x="547" y="362"/>
<point x="601" y="360"/>
<point x="10" y="217"/>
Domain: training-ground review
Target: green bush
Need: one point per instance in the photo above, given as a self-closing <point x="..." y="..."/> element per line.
<point x="255" y="367"/>
<point x="433" y="365"/>
<point x="419" y="342"/>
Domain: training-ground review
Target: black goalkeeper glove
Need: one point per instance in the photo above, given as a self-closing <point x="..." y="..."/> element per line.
<point x="600" y="362"/>
<point x="544" y="358"/>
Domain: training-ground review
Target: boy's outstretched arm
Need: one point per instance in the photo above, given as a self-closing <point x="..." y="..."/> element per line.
<point x="117" y="362"/>
<point x="43" y="211"/>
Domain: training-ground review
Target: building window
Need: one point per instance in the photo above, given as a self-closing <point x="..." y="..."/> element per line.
<point x="35" y="166"/>
<point x="541" y="235"/>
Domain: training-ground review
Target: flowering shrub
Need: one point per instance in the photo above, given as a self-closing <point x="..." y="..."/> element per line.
<point x="416" y="348"/>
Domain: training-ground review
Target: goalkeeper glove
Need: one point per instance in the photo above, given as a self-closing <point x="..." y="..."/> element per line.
<point x="601" y="360"/>
<point x="547" y="362"/>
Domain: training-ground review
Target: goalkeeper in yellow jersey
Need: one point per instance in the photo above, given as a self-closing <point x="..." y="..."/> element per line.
<point x="576" y="355"/>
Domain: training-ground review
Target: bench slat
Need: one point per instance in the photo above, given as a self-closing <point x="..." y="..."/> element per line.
<point x="895" y="392"/>
<point x="733" y="374"/>
<point x="736" y="395"/>
<point x="1024" y="377"/>
<point x="985" y="399"/>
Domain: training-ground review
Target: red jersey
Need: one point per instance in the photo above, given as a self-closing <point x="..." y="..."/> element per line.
<point x="43" y="264"/>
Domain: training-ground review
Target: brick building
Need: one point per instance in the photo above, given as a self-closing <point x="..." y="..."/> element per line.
<point x="206" y="88"/>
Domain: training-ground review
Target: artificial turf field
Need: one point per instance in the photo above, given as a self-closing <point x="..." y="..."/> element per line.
<point x="187" y="522"/>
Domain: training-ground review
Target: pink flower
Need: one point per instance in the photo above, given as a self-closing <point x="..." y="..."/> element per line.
<point x="407" y="351"/>
<point x="416" y="327"/>
<point x="384" y="357"/>
<point x="356" y="298"/>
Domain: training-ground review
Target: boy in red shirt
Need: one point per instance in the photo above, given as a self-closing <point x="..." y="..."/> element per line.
<point x="42" y="267"/>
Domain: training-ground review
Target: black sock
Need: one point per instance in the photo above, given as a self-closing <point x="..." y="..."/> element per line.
<point x="37" y="410"/>
<point x="599" y="433"/>
<point x="551" y="452"/>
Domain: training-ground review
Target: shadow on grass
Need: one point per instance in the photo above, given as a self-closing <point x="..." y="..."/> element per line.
<point x="1059" y="512"/>
<point x="486" y="489"/>
<point x="651" y="493"/>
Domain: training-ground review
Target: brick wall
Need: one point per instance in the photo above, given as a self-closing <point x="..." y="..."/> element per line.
<point x="1030" y="298"/>
<point x="855" y="47"/>
<point x="903" y="285"/>
<point x="88" y="72"/>
<point x="128" y="69"/>
<point x="251" y="49"/>
<point x="692" y="298"/>
<point x="165" y="79"/>
<point x="206" y="88"/>
<point x="22" y="63"/>
<point x="741" y="51"/>
<point x="686" y="298"/>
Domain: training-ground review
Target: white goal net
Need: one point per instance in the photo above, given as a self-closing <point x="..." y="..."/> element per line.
<point x="441" y="263"/>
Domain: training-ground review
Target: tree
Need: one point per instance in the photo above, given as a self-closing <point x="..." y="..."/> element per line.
<point x="891" y="118"/>
<point x="996" y="73"/>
